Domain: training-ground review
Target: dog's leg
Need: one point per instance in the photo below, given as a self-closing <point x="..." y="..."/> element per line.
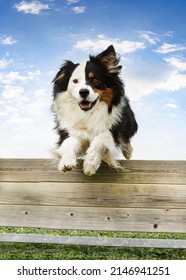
<point x="127" y="149"/>
<point x="101" y="148"/>
<point x="67" y="153"/>
<point x="110" y="157"/>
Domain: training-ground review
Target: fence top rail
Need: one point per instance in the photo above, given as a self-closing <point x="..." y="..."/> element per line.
<point x="134" y="171"/>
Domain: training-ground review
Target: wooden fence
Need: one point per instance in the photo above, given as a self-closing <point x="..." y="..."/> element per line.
<point x="147" y="196"/>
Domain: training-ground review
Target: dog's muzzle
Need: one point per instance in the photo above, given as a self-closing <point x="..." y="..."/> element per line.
<point x="85" y="104"/>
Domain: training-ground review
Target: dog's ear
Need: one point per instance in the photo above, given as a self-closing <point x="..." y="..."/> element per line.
<point x="66" y="68"/>
<point x="110" y="60"/>
<point x="62" y="78"/>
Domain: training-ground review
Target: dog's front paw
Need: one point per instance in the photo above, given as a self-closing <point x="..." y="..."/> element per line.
<point x="89" y="169"/>
<point x="90" y="166"/>
<point x="66" y="164"/>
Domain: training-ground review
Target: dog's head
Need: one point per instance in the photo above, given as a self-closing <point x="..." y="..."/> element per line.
<point x="90" y="82"/>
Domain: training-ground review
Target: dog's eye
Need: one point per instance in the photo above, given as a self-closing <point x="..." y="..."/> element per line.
<point x="95" y="80"/>
<point x="75" y="81"/>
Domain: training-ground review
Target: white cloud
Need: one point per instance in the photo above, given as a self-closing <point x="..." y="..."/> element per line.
<point x="12" y="76"/>
<point x="41" y="103"/>
<point x="18" y="120"/>
<point x="177" y="62"/>
<point x="171" y="105"/>
<point x="40" y="93"/>
<point x="150" y="37"/>
<point x="38" y="108"/>
<point x="176" y="79"/>
<point x="4" y="63"/>
<point x="148" y="77"/>
<point x="33" y="75"/>
<point x="175" y="82"/>
<point x="79" y="9"/>
<point x="7" y="40"/>
<point x="169" y="48"/>
<point x="12" y="92"/>
<point x="101" y="43"/>
<point x="33" y="7"/>
<point x="138" y="86"/>
<point x="14" y="104"/>
<point x="27" y="139"/>
<point x="25" y="123"/>
<point x="70" y="2"/>
<point x="7" y="110"/>
<point x="154" y="38"/>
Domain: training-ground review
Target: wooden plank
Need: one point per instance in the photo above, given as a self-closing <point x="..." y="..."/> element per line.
<point x="167" y="166"/>
<point x="93" y="195"/>
<point x="93" y="241"/>
<point x="146" y="172"/>
<point x="91" y="218"/>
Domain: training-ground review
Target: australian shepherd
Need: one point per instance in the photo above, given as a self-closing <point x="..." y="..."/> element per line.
<point x="94" y="119"/>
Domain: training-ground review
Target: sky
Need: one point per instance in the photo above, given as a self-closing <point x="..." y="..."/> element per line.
<point x="37" y="36"/>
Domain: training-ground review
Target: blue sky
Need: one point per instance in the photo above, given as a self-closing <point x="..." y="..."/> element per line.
<point x="37" y="36"/>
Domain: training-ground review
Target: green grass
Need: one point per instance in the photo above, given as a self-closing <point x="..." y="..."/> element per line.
<point x="27" y="251"/>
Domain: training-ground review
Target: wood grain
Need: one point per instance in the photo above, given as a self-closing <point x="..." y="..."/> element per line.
<point x="91" y="218"/>
<point x="144" y="172"/>
<point x="94" y="195"/>
<point x="146" y="196"/>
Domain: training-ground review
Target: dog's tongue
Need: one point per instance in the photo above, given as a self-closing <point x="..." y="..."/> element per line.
<point x="85" y="105"/>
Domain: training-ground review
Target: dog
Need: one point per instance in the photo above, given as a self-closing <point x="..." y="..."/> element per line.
<point x="93" y="116"/>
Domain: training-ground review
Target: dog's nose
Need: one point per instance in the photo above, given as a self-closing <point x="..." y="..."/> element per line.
<point x="84" y="93"/>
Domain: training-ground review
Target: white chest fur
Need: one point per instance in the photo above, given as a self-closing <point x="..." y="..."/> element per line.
<point x="80" y="123"/>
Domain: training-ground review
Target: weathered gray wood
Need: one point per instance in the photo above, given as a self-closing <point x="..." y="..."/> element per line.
<point x="146" y="196"/>
<point x="145" y="172"/>
<point x="93" y="241"/>
<point x="93" y="194"/>
<point x="92" y="218"/>
<point x="154" y="166"/>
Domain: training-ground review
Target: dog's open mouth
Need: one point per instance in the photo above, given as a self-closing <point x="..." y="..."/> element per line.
<point x="87" y="105"/>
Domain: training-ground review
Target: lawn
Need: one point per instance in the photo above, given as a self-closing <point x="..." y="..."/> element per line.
<point x="20" y="251"/>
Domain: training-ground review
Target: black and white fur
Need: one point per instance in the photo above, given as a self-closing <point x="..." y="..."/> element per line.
<point x="93" y="117"/>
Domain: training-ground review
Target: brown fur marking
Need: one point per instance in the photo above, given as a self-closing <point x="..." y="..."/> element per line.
<point x="105" y="95"/>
